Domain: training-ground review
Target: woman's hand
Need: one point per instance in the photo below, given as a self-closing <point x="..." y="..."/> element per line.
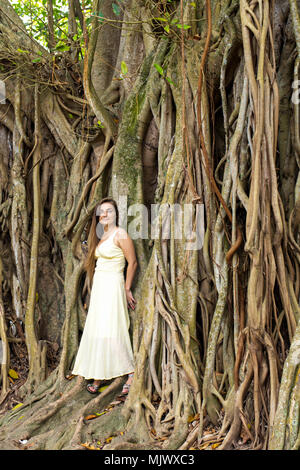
<point x="130" y="299"/>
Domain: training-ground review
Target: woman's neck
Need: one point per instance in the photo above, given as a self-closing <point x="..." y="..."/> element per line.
<point x="109" y="228"/>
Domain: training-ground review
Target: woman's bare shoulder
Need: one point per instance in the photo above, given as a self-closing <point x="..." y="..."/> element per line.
<point x="122" y="234"/>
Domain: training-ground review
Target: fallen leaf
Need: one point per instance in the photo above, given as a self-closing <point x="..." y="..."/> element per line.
<point x="89" y="446"/>
<point x="108" y="439"/>
<point x="204" y="446"/>
<point x="216" y="445"/>
<point x="90" y="417"/>
<point x="102" y="388"/>
<point x="193" y="418"/>
<point x="17" y="406"/>
<point x="100" y="414"/>
<point x="27" y="446"/>
<point x="13" y="374"/>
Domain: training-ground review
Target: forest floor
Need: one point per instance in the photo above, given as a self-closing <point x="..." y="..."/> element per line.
<point x="18" y="375"/>
<point x="19" y="370"/>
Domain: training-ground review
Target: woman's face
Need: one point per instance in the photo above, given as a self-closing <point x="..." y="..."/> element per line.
<point x="107" y="214"/>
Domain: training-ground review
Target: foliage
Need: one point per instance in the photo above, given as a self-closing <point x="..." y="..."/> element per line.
<point x="35" y="17"/>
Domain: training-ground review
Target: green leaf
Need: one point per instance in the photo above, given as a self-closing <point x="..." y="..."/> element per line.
<point x="159" y="69"/>
<point x="185" y="26"/>
<point x="161" y="19"/>
<point x="22" y="52"/>
<point x="124" y="68"/>
<point x="170" y="81"/>
<point x="116" y="9"/>
<point x="36" y="60"/>
<point x="167" y="28"/>
<point x="61" y="46"/>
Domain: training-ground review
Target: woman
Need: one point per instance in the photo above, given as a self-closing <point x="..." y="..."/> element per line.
<point x="105" y="349"/>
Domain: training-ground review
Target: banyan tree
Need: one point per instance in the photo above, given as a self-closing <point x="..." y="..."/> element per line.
<point x="176" y="104"/>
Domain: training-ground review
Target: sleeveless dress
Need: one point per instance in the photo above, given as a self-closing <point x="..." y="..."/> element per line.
<point x="105" y="348"/>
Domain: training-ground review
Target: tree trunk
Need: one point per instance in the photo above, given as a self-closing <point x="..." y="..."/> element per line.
<point x="192" y="106"/>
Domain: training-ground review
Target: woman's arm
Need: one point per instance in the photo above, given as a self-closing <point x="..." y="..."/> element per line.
<point x="124" y="241"/>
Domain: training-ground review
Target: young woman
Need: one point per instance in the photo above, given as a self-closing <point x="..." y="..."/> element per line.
<point x="105" y="349"/>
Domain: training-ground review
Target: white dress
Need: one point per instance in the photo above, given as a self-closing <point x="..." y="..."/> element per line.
<point x="105" y="348"/>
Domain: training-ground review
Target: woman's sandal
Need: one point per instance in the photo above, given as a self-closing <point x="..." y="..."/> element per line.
<point x="126" y="387"/>
<point x="125" y="390"/>
<point x="93" y="388"/>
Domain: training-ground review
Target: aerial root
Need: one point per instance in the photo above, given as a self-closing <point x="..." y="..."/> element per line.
<point x="50" y="409"/>
<point x="90" y="406"/>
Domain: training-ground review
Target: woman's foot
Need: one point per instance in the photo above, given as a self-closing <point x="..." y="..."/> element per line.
<point x="126" y="387"/>
<point x="94" y="387"/>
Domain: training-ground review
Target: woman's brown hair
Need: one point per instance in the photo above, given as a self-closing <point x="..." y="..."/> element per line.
<point x="93" y="238"/>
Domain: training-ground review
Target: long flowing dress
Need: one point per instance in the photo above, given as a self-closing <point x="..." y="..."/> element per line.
<point x="105" y="348"/>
